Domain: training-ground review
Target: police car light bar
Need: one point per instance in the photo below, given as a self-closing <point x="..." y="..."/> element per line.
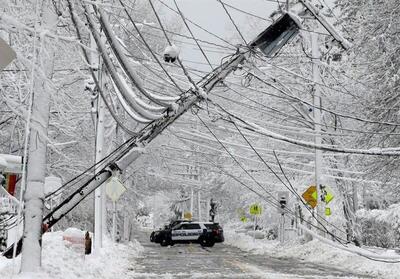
<point x="272" y="39"/>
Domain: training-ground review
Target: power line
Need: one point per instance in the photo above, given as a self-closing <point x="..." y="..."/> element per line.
<point x="291" y="188"/>
<point x="268" y="192"/>
<point x="169" y="42"/>
<point x="182" y="35"/>
<point x="87" y="60"/>
<point x="149" y="48"/>
<point x="233" y="22"/>
<point x="244" y="12"/>
<point x="192" y="35"/>
<point x="233" y="157"/>
<point x="328" y="110"/>
<point x="199" y="26"/>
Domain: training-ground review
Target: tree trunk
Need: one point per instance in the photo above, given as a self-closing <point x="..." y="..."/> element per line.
<point x="36" y="168"/>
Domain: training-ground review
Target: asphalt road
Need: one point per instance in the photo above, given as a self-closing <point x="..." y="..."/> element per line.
<point x="222" y="261"/>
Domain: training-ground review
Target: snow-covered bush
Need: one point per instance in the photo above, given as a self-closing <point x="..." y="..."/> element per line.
<point x="380" y="227"/>
<point x="377" y="233"/>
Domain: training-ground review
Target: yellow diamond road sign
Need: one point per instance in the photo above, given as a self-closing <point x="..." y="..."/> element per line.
<point x="114" y="188"/>
<point x="310" y="195"/>
<point x="328" y="196"/>
<point x="255" y="209"/>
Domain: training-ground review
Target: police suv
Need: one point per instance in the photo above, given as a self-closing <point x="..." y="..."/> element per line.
<point x="205" y="233"/>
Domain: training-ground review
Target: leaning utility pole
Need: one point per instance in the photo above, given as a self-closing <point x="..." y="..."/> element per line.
<point x="36" y="165"/>
<point x="133" y="148"/>
<point x="269" y="42"/>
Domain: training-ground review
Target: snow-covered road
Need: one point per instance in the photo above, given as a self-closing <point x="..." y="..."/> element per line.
<point x="222" y="261"/>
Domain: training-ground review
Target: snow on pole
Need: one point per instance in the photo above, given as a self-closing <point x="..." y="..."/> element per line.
<point x="36" y="168"/>
<point x="331" y="29"/>
<point x="317" y="102"/>
<point x="122" y="59"/>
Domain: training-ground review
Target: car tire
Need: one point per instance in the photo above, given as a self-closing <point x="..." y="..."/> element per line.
<point x="165" y="242"/>
<point x="206" y="242"/>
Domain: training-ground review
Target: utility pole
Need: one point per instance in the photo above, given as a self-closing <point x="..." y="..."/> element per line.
<point x="36" y="166"/>
<point x="114" y="222"/>
<point x="99" y="226"/>
<point x="191" y="200"/>
<point x="317" y="126"/>
<point x="199" y="204"/>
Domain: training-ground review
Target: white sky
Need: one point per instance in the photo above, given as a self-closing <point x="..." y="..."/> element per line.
<point x="210" y="15"/>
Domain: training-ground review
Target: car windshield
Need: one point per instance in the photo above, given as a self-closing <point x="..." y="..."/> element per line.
<point x="212" y="226"/>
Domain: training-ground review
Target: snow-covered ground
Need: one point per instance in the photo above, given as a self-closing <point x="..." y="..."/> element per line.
<point x="314" y="251"/>
<point x="63" y="261"/>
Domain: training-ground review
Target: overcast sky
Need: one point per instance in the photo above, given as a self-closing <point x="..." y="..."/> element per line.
<point x="210" y="15"/>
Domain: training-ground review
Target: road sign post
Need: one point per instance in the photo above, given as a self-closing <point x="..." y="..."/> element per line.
<point x="114" y="189"/>
<point x="283" y="197"/>
<point x="255" y="210"/>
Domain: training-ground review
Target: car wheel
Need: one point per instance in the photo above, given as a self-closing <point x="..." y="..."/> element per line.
<point x="164" y="242"/>
<point x="205" y="242"/>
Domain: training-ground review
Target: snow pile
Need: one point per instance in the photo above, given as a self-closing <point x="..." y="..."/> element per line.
<point x="59" y="261"/>
<point x="317" y="252"/>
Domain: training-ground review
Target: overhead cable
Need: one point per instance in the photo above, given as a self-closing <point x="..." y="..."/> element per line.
<point x="75" y="20"/>
<point x="192" y="35"/>
<point x="119" y="53"/>
<point x="113" y="72"/>
<point x="150" y="49"/>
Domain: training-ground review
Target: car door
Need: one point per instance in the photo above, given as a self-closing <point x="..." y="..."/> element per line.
<point x="178" y="232"/>
<point x="193" y="231"/>
<point x="186" y="232"/>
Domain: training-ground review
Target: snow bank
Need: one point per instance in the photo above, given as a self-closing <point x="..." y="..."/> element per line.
<point x="314" y="251"/>
<point x="59" y="261"/>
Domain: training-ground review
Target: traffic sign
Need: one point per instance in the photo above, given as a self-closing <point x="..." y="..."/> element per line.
<point x="114" y="188"/>
<point x="7" y="54"/>
<point x="255" y="209"/>
<point x="328" y="211"/>
<point x="310" y="196"/>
